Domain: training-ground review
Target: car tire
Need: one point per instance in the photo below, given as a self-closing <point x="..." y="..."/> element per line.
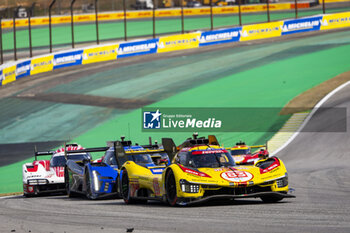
<point x="125" y="189"/>
<point x="170" y="187"/>
<point x="88" y="186"/>
<point x="271" y="199"/>
<point x="66" y="181"/>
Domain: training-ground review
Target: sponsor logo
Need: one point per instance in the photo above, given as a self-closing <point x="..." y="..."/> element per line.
<point x="151" y="120"/>
<point x="300" y="25"/>
<point x="221" y="36"/>
<point x="43" y="63"/>
<point x="136" y="48"/>
<point x="237" y="176"/>
<point x="192" y="123"/>
<point x="157" y="120"/>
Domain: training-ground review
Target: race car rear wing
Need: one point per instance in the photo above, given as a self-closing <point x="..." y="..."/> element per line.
<point x="171" y="149"/>
<point x="87" y="150"/>
<point x="42" y="153"/>
<point x="119" y="151"/>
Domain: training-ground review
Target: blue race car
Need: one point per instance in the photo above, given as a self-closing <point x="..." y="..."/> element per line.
<point x="99" y="179"/>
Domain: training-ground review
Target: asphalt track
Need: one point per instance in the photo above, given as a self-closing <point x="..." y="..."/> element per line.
<point x="318" y="165"/>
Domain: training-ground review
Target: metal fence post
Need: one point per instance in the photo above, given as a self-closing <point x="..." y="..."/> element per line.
<point x="154" y="19"/>
<point x="1" y="53"/>
<point x="239" y="13"/>
<point x="182" y="17"/>
<point x="125" y="26"/>
<point x="72" y="21"/>
<point x="323" y="7"/>
<point x="296" y="8"/>
<point x="211" y="15"/>
<point x="96" y="15"/>
<point x="268" y="10"/>
<point x="30" y="35"/>
<point x="50" y="26"/>
<point x="14" y="37"/>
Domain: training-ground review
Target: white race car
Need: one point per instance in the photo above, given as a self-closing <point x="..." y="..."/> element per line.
<point x="47" y="176"/>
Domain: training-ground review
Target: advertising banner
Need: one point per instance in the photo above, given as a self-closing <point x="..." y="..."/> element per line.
<point x="103" y="53"/>
<point x="178" y="42"/>
<point x="67" y="59"/>
<point x="301" y="25"/>
<point x="261" y="31"/>
<point x="41" y="64"/>
<point x="339" y="20"/>
<point x="23" y="69"/>
<point x="220" y="36"/>
<point x="137" y="48"/>
<point x="164" y="119"/>
<point x="1" y="77"/>
<point x="8" y="74"/>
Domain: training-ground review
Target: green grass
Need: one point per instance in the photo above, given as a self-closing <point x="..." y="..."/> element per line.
<point x="114" y="30"/>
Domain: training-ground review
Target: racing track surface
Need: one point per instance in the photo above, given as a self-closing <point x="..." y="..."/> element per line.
<point x="318" y="166"/>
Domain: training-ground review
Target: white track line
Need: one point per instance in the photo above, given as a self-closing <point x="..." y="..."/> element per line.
<point x="322" y="101"/>
<point x="11" y="196"/>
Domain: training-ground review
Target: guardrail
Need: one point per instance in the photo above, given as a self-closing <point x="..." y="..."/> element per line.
<point x="127" y="15"/>
<point x="15" y="70"/>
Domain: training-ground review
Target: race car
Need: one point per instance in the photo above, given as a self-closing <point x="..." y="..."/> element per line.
<point x="98" y="179"/>
<point x="158" y="158"/>
<point x="201" y="170"/>
<point x="242" y="154"/>
<point x="47" y="176"/>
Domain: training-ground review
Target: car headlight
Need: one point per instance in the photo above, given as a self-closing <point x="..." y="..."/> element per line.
<point x="97" y="183"/>
<point x="188" y="187"/>
<point x="282" y="182"/>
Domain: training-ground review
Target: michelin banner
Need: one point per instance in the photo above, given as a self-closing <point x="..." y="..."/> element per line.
<point x="301" y="25"/>
<point x="220" y="36"/>
<point x="41" y="65"/>
<point x="1" y="78"/>
<point x="178" y="42"/>
<point x="23" y="69"/>
<point x="8" y="74"/>
<point x="333" y="21"/>
<point x="261" y="31"/>
<point x="62" y="60"/>
<point x="137" y="48"/>
<point x="98" y="54"/>
<point x="12" y="71"/>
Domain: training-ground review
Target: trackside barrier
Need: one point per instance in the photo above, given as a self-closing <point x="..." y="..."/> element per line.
<point x="39" y="21"/>
<point x="12" y="71"/>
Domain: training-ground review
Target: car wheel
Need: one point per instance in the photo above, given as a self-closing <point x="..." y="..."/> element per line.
<point x="170" y="186"/>
<point x="125" y="189"/>
<point x="67" y="183"/>
<point x="88" y="186"/>
<point x="271" y="199"/>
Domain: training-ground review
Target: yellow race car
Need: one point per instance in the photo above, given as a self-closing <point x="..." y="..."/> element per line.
<point x="200" y="171"/>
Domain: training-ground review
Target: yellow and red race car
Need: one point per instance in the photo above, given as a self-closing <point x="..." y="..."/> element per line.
<point x="243" y="155"/>
<point x="200" y="171"/>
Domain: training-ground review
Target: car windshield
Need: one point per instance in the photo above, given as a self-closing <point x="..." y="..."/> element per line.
<point x="240" y="152"/>
<point x="142" y="158"/>
<point x="138" y="158"/>
<point x="60" y="161"/>
<point x="223" y="159"/>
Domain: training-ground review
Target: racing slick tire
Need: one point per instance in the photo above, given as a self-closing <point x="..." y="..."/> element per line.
<point x="170" y="188"/>
<point x="88" y="186"/>
<point x="272" y="199"/>
<point x="67" y="184"/>
<point x="125" y="190"/>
